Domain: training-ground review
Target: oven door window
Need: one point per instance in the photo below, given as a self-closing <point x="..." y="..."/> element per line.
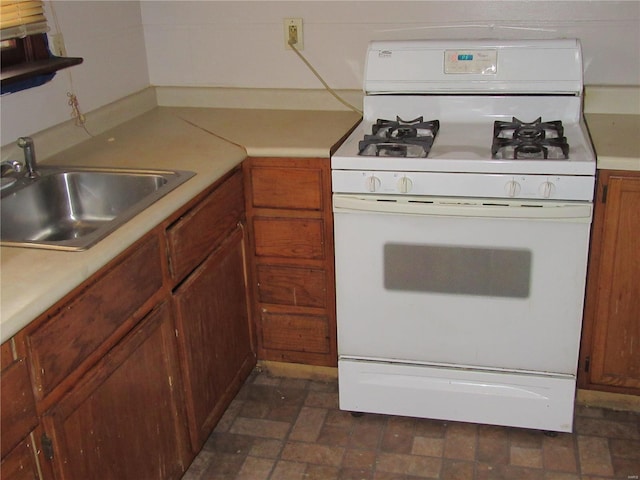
<point x="492" y="272"/>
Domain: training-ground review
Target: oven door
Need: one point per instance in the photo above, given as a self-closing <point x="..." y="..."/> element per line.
<point x="484" y="284"/>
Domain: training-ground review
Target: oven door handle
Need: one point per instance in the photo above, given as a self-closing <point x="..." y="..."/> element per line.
<point x="497" y="208"/>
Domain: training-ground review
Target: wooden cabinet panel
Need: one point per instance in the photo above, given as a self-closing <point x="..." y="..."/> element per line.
<point x="68" y="338"/>
<point x="297" y="333"/>
<point x="214" y="336"/>
<point x="17" y="406"/>
<point x="292" y="273"/>
<point x="20" y="463"/>
<point x="297" y="286"/>
<point x="6" y="355"/>
<point x="197" y="233"/>
<point x="292" y="188"/>
<point x="612" y="314"/>
<point x="124" y="419"/>
<point x="289" y="237"/>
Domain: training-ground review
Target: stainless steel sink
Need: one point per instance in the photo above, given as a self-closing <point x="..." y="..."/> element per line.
<point x="73" y="208"/>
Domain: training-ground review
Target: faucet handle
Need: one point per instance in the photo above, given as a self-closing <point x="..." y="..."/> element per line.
<point x="9" y="166"/>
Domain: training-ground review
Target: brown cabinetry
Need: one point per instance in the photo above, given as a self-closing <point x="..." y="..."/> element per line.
<point x="291" y="229"/>
<point x="95" y="318"/>
<point x="18" y="420"/>
<point x="128" y="374"/>
<point x="202" y="228"/>
<point x="212" y="316"/>
<point x="100" y="395"/>
<point x="610" y="357"/>
<point x="124" y="418"/>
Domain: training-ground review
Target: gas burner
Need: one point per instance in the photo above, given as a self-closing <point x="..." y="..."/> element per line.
<point x="535" y="140"/>
<point x="399" y="138"/>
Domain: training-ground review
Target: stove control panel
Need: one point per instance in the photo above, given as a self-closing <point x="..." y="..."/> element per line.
<point x="542" y="187"/>
<point x="482" y="62"/>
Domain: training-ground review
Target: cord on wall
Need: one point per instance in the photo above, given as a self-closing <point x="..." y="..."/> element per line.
<point x="76" y="113"/>
<point x="75" y="110"/>
<point x="326" y="86"/>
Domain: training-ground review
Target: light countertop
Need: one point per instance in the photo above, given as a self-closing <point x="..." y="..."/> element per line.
<point x="209" y="142"/>
<point x="616" y="139"/>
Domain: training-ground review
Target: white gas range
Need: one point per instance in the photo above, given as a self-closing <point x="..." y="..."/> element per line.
<point x="462" y="209"/>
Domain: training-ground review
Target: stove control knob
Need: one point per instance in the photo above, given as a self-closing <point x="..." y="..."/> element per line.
<point x="547" y="189"/>
<point x="405" y="184"/>
<point x="373" y="184"/>
<point x="512" y="188"/>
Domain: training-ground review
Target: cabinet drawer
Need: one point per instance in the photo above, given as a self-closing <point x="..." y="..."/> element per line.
<point x="289" y="237"/>
<point x="68" y="338"/>
<point x="197" y="233"/>
<point x="297" y="333"/>
<point x="300" y="287"/>
<point x="18" y="410"/>
<point x="292" y="188"/>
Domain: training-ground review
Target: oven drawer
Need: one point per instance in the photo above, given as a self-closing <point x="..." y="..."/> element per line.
<point x="464" y="395"/>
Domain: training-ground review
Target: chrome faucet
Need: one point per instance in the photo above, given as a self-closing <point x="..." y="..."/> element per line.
<point x="26" y="143"/>
<point x="10" y="166"/>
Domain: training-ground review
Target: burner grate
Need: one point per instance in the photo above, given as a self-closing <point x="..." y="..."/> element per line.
<point x="535" y="140"/>
<point x="399" y="138"/>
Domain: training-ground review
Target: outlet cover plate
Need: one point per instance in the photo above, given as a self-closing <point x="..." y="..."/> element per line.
<point x="297" y="22"/>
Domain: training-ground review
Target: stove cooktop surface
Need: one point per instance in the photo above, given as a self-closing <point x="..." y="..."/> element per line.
<point x="494" y="134"/>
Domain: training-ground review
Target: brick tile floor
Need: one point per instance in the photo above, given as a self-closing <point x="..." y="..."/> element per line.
<point x="291" y="429"/>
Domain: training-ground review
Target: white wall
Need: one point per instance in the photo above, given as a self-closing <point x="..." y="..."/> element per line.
<point x="109" y="36"/>
<point x="241" y="43"/>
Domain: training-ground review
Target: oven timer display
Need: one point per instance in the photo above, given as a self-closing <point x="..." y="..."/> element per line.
<point x="480" y="62"/>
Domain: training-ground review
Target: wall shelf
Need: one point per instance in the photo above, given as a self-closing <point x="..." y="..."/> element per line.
<point x="27" y="71"/>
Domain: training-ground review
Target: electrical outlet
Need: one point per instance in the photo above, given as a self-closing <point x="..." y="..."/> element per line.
<point x="57" y="45"/>
<point x="293" y="33"/>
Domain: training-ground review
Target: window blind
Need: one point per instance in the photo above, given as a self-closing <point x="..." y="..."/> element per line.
<point x="19" y="18"/>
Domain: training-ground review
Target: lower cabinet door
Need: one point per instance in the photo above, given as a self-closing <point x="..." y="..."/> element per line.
<point x="613" y="310"/>
<point x="124" y="419"/>
<point x="214" y="335"/>
<point x="20" y="463"/>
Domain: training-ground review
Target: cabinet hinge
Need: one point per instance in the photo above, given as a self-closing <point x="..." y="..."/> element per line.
<point x="587" y="364"/>
<point x="47" y="446"/>
<point x="604" y="193"/>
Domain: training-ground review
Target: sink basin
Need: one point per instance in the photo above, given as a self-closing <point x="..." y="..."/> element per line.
<point x="73" y="208"/>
